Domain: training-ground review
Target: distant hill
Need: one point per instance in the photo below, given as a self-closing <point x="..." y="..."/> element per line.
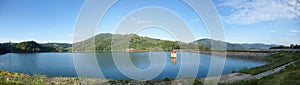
<point x="230" y="46"/>
<point x="128" y="42"/>
<point x="103" y="43"/>
<point x="218" y="45"/>
<point x="59" y="47"/>
<point x="258" y="46"/>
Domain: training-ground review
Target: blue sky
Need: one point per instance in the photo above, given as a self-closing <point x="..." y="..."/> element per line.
<point x="245" y="21"/>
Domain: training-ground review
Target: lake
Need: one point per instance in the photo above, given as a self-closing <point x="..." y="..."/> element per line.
<point x="62" y="64"/>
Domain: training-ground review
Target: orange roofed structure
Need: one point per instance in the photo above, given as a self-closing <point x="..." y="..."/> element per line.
<point x="173" y="54"/>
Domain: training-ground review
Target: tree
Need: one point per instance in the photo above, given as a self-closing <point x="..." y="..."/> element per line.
<point x="297" y="46"/>
<point x="3" y="49"/>
<point x="292" y="46"/>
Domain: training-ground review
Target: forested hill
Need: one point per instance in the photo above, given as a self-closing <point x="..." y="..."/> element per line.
<point x="133" y="42"/>
<point x="32" y="46"/>
<point x="217" y="44"/>
<point x="130" y="42"/>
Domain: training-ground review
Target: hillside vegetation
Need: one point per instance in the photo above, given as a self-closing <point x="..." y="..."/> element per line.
<point x="288" y="76"/>
<point x="107" y="42"/>
<point x="217" y="45"/>
<point x="130" y="42"/>
<point x="274" y="60"/>
<point x="32" y="47"/>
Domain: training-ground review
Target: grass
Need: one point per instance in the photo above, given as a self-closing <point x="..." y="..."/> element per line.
<point x="12" y="78"/>
<point x="288" y="76"/>
<point x="274" y="60"/>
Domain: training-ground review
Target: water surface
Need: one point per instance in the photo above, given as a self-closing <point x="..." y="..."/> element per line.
<point x="61" y="64"/>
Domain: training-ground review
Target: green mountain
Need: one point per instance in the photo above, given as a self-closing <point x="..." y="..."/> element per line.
<point x="32" y="47"/>
<point x="133" y="42"/>
<point x="129" y="42"/>
<point x="217" y="44"/>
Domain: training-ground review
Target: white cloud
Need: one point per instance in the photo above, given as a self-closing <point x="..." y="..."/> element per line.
<point x="294" y="31"/>
<point x="254" y="11"/>
<point x="140" y="21"/>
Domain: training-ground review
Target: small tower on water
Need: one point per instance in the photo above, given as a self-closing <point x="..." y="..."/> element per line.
<point x="173" y="54"/>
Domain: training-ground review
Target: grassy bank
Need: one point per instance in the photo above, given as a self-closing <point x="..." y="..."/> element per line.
<point x="12" y="78"/>
<point x="274" y="60"/>
<point x="288" y="76"/>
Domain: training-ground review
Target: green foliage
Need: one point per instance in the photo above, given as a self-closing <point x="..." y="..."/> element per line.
<point x="292" y="46"/>
<point x="3" y="49"/>
<point x="166" y="79"/>
<point x="32" y="47"/>
<point x="29" y="46"/>
<point x="203" y="47"/>
<point x="220" y="45"/>
<point x="12" y="78"/>
<point x="275" y="60"/>
<point x="288" y="76"/>
<point x="197" y="82"/>
<point x="57" y="47"/>
<point x="168" y="45"/>
<point x="280" y="47"/>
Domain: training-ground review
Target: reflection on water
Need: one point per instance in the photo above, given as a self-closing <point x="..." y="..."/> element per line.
<point x="173" y="60"/>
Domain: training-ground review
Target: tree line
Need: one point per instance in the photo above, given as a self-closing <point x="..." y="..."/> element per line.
<point x="292" y="46"/>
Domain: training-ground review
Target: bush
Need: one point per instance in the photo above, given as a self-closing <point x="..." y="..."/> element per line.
<point x="166" y="79"/>
<point x="197" y="82"/>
